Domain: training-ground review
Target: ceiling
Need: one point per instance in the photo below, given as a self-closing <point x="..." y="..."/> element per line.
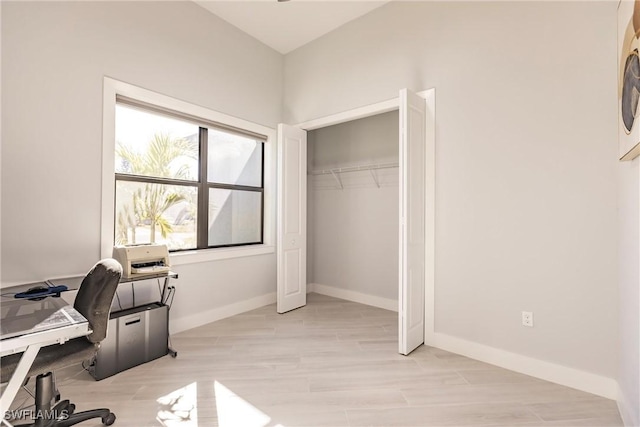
<point x="285" y="26"/>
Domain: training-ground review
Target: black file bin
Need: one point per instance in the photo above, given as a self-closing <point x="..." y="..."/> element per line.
<point x="135" y="336"/>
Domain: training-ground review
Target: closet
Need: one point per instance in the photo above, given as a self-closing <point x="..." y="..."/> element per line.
<point x="352" y="170"/>
<point x="352" y="209"/>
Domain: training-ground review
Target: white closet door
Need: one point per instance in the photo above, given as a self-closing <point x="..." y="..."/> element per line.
<point x="292" y="218"/>
<point x="412" y="221"/>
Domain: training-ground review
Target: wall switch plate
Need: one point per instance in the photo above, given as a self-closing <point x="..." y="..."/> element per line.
<point x="527" y="319"/>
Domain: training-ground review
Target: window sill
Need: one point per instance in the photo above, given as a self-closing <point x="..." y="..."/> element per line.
<point x="204" y="255"/>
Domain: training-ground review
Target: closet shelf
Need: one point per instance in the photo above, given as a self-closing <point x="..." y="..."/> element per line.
<point x="371" y="168"/>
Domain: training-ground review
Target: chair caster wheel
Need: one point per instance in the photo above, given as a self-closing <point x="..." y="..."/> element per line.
<point x="109" y="419"/>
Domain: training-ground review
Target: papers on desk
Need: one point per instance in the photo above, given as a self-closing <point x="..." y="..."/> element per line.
<point x="59" y="317"/>
<point x="36" y="318"/>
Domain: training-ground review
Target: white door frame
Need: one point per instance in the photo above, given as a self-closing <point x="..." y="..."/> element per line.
<point x="351" y="115"/>
<point x="384" y="107"/>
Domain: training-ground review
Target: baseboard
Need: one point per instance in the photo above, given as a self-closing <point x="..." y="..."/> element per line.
<point x="332" y="291"/>
<point x="625" y="408"/>
<point x="570" y="377"/>
<point x="218" y="313"/>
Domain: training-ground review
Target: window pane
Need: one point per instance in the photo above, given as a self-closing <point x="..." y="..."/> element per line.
<point x="156" y="213"/>
<point x="234" y="159"/>
<point x="151" y="144"/>
<point x="235" y="217"/>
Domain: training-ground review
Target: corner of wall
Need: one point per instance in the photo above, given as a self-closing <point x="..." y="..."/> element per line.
<point x="624" y="407"/>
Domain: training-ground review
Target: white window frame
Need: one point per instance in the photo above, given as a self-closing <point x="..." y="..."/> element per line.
<point x="112" y="88"/>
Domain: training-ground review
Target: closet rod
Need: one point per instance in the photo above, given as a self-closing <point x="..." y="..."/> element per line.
<point x="371" y="168"/>
<point x="333" y="171"/>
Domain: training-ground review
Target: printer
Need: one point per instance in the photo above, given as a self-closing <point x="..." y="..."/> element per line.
<point x="140" y="260"/>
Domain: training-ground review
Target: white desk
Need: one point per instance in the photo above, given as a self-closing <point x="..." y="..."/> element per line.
<point x="26" y="326"/>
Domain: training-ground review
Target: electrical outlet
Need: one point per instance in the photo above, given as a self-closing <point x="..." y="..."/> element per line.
<point x="527" y="319"/>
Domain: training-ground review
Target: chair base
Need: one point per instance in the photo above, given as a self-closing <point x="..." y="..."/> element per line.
<point x="63" y="413"/>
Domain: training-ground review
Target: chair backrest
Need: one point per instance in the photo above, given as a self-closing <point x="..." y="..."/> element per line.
<point x="95" y="296"/>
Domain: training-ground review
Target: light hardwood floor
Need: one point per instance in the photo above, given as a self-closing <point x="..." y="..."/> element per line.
<point x="331" y="363"/>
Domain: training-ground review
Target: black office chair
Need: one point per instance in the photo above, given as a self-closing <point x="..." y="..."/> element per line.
<point x="93" y="301"/>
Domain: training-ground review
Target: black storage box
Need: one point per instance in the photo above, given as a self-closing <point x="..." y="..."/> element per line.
<point x="135" y="336"/>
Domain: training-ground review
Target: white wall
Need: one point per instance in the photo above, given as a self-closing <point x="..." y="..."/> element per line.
<point x="525" y="164"/>
<point x="353" y="233"/>
<point x="54" y="58"/>
<point x="629" y="250"/>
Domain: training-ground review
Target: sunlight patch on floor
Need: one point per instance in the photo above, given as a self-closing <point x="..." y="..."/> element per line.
<point x="235" y="411"/>
<point x="180" y="407"/>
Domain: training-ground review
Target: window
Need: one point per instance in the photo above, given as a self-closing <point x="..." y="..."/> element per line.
<point x="184" y="181"/>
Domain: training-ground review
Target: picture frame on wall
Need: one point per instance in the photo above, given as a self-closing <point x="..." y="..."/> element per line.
<point x="628" y="79"/>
